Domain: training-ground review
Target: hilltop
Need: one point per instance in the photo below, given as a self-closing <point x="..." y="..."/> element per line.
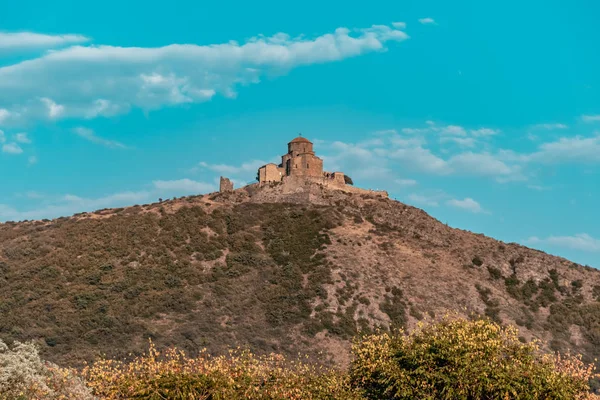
<point x="275" y="269"/>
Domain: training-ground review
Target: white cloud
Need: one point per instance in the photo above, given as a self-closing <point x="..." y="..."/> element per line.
<point x="426" y="21"/>
<point x="386" y="132"/>
<point x="590" y="118"/>
<point x="421" y="159"/>
<point x="463" y="142"/>
<point x="88" y="81"/>
<point x="103" y="108"/>
<point x="484" y="132"/>
<point x="581" y="241"/>
<point x="539" y="188"/>
<point x="31" y="40"/>
<point x="245" y="168"/>
<point x="2" y="136"/>
<point x="70" y="204"/>
<point x="11" y="148"/>
<point x="399" y="25"/>
<point x="89" y="135"/>
<point x="424" y="200"/>
<point x="54" y="110"/>
<point x="32" y="160"/>
<point x="405" y="182"/>
<point x="4" y="115"/>
<point x="412" y="131"/>
<point x="575" y="149"/>
<point x="482" y="164"/>
<point x="22" y="138"/>
<point x="453" y="130"/>
<point x="467" y="204"/>
<point x="184" y="185"/>
<point x="549" y="127"/>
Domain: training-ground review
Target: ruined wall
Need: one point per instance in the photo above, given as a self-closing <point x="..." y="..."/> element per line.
<point x="326" y="181"/>
<point x="225" y="185"/>
<point x="338" y="177"/>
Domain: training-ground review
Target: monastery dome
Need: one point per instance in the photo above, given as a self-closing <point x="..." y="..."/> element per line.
<point x="300" y="139"/>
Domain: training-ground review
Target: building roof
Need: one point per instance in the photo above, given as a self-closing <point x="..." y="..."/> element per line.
<point x="300" y="139"/>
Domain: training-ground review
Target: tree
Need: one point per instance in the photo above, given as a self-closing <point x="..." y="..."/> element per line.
<point x="458" y="358"/>
<point x="348" y="180"/>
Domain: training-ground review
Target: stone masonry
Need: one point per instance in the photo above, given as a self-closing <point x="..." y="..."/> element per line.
<point x="225" y="185"/>
<point x="299" y="161"/>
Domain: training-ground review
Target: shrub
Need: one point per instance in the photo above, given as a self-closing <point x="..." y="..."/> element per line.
<point x="462" y="359"/>
<point x="477" y="261"/>
<point x="23" y="375"/>
<point x="495" y="273"/>
<point x="240" y="375"/>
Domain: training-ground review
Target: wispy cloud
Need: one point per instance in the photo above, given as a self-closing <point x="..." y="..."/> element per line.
<point x="419" y="199"/>
<point x="590" y="118"/>
<point x="22" y="138"/>
<point x="467" y="204"/>
<point x="577" y="149"/>
<point x="405" y="182"/>
<point x="552" y="126"/>
<point x="427" y="21"/>
<point x="68" y="204"/>
<point x="11" y="148"/>
<point x="2" y="136"/>
<point x="89" y="81"/>
<point x="581" y="241"/>
<point x="483" y="132"/>
<point x="463" y="142"/>
<point x="184" y="185"/>
<point x="54" y="110"/>
<point x="89" y="135"/>
<point x="452" y="130"/>
<point x="4" y="115"/>
<point x="249" y="167"/>
<point x="32" y="40"/>
<point x="399" y="25"/>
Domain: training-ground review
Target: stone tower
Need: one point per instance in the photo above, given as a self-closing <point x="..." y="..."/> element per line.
<point x="225" y="185"/>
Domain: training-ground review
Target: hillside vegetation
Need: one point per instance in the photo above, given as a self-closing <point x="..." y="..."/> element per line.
<point x="453" y="358"/>
<point x="225" y="270"/>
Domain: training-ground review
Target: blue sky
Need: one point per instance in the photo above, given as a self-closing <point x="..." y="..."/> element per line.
<point x="485" y="114"/>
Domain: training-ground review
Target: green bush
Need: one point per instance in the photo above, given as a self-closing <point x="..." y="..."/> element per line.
<point x="463" y="359"/>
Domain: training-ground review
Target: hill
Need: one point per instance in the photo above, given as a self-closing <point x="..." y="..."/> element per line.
<point x="299" y="270"/>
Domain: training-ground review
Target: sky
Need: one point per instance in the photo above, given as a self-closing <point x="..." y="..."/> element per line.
<point x="484" y="114"/>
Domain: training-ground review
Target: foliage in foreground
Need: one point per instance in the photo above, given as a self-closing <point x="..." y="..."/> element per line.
<point x="462" y="359"/>
<point x="454" y="358"/>
<point x="23" y="375"/>
<point x="241" y="375"/>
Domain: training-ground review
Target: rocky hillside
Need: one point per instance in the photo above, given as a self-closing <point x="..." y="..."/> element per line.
<point x="275" y="270"/>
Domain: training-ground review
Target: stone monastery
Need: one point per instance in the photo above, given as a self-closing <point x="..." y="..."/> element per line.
<point x="298" y="167"/>
<point x="299" y="161"/>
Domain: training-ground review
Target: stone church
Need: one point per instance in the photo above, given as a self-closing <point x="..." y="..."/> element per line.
<point x="300" y="161"/>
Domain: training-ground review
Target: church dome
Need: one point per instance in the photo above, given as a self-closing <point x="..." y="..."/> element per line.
<point x="300" y="139"/>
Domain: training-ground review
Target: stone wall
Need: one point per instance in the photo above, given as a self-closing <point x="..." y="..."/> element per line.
<point x="270" y="173"/>
<point x="296" y="148"/>
<point x="306" y="165"/>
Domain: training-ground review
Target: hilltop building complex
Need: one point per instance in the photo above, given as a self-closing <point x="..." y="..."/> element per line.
<point x="299" y="167"/>
<point x="299" y="161"/>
